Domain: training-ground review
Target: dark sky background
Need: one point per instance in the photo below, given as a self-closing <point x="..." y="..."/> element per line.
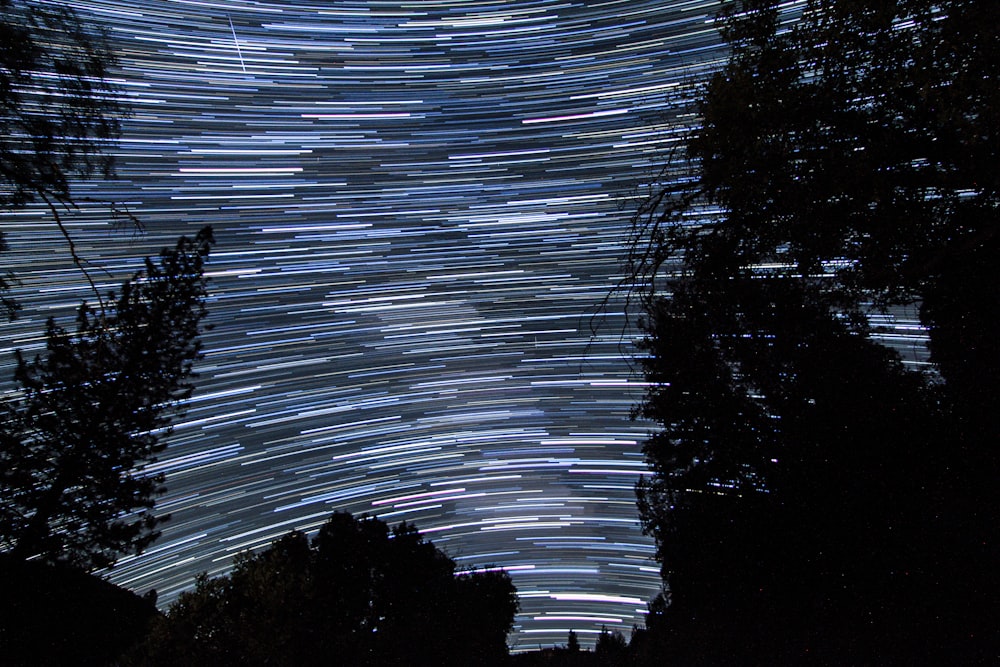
<point x="418" y="207"/>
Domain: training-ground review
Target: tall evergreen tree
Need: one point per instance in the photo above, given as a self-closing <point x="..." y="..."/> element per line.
<point x="92" y="412"/>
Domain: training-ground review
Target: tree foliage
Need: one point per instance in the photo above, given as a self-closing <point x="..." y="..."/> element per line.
<point x="59" y="108"/>
<point x="359" y="593"/>
<point x="611" y="647"/>
<point x="803" y="476"/>
<point x="92" y="412"/>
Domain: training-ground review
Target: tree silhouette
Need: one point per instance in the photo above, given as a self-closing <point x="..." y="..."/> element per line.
<point x="89" y="415"/>
<point x="803" y="478"/>
<point x="58" y="110"/>
<point x="360" y="594"/>
<point x="611" y="648"/>
<point x="92" y="413"/>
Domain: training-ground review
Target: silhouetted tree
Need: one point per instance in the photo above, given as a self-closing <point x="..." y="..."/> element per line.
<point x="803" y="478"/>
<point x="572" y="642"/>
<point x="58" y="109"/>
<point x="359" y="594"/>
<point x="797" y="475"/>
<point x="856" y="148"/>
<point x="487" y="602"/>
<point x="92" y="412"/>
<point x="611" y="648"/>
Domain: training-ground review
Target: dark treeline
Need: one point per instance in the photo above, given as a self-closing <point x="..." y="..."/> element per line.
<point x="359" y="593"/>
<point x="814" y="499"/>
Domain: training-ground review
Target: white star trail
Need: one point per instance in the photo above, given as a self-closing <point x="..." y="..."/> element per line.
<point x="418" y="208"/>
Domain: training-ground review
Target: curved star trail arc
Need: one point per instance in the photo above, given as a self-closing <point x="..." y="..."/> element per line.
<point x="418" y="209"/>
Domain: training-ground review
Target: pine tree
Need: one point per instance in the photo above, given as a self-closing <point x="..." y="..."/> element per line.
<point x="92" y="412"/>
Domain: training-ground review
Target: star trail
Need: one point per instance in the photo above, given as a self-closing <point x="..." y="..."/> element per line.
<point x="419" y="208"/>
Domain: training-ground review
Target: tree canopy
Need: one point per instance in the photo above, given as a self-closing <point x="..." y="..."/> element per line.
<point x="359" y="593"/>
<point x="803" y="476"/>
<point x="59" y="109"/>
<point x="91" y="414"/>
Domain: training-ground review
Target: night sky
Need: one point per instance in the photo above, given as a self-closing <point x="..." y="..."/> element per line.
<point x="419" y="206"/>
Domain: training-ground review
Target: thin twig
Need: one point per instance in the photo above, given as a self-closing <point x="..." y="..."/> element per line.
<point x="77" y="260"/>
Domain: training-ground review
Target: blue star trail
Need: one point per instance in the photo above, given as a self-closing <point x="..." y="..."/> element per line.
<point x="419" y="207"/>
